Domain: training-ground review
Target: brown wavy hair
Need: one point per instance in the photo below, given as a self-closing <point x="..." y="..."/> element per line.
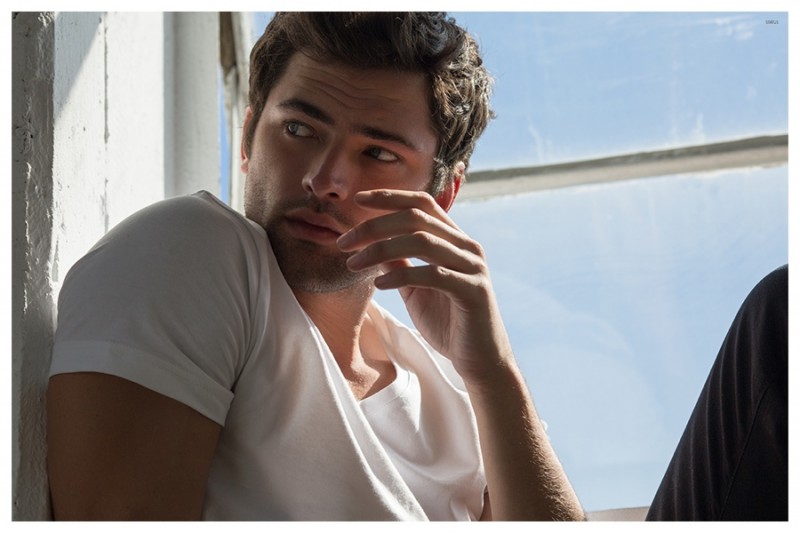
<point x="431" y="43"/>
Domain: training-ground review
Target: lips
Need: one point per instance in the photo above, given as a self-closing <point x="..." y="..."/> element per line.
<point x="315" y="219"/>
<point x="309" y="225"/>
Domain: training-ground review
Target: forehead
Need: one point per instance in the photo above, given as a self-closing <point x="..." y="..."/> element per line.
<point x="381" y="97"/>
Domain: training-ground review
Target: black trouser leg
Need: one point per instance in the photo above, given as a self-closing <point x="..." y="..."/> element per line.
<point x="732" y="460"/>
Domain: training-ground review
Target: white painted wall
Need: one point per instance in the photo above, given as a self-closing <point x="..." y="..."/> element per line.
<point x="192" y="157"/>
<point x="108" y="126"/>
<point x="95" y="111"/>
<point x="31" y="291"/>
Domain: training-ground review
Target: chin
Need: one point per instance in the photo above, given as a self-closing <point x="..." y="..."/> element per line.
<point x="308" y="268"/>
<point x="320" y="281"/>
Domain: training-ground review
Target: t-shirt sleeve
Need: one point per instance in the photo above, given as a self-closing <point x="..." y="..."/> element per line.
<point x="165" y="300"/>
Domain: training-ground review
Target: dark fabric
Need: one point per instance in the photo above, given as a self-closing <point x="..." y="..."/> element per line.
<point x="732" y="460"/>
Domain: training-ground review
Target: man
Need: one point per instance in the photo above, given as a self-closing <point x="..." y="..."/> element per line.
<point x="208" y="365"/>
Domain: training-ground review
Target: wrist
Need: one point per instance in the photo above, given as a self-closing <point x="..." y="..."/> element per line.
<point x="501" y="375"/>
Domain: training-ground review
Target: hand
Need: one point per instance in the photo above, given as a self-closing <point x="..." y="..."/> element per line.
<point x="449" y="299"/>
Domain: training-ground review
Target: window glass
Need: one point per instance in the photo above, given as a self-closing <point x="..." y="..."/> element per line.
<point x="583" y="85"/>
<point x="617" y="298"/>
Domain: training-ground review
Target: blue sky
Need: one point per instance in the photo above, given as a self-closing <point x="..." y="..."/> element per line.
<point x="581" y="85"/>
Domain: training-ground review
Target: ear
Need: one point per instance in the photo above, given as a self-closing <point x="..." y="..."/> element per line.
<point x="248" y="116"/>
<point x="447" y="197"/>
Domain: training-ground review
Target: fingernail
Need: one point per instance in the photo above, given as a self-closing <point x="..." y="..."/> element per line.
<point x="354" y="262"/>
<point x="363" y="196"/>
<point x="345" y="240"/>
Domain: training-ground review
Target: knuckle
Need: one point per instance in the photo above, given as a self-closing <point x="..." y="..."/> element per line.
<point x="484" y="288"/>
<point x="417" y="215"/>
<point x="476" y="248"/>
<point x="440" y="272"/>
<point x="477" y="267"/>
<point x="478" y="290"/>
<point x="419" y="195"/>
<point x="423" y="238"/>
<point x="428" y="201"/>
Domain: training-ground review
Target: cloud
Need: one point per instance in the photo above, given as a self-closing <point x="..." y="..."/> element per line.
<point x="740" y="28"/>
<point x="537" y="142"/>
<point x="698" y="134"/>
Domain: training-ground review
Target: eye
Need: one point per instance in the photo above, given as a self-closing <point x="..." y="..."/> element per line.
<point x="298" y="129"/>
<point x="381" y="155"/>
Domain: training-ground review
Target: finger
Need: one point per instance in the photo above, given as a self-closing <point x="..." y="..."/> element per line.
<point x="458" y="285"/>
<point x="388" y="266"/>
<point x="396" y="224"/>
<point x="420" y="245"/>
<point x="395" y="200"/>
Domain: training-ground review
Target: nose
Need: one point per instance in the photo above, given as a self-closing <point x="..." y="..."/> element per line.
<point x="331" y="175"/>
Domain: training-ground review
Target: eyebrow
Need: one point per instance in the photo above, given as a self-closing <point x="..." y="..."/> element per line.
<point x="296" y="104"/>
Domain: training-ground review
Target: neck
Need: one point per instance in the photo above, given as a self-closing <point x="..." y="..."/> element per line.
<point x="342" y="319"/>
<point x="339" y="317"/>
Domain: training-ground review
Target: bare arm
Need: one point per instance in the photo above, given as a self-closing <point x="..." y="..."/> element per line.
<point x="452" y="303"/>
<point x="525" y="478"/>
<point x="119" y="451"/>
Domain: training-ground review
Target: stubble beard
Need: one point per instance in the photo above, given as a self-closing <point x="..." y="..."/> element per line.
<point x="309" y="266"/>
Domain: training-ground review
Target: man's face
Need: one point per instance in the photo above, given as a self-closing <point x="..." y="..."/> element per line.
<point x="328" y="131"/>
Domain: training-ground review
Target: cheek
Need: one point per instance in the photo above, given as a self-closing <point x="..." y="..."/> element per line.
<point x="254" y="201"/>
<point x="272" y="180"/>
<point x="258" y="191"/>
<point x="279" y="163"/>
<point x="266" y="173"/>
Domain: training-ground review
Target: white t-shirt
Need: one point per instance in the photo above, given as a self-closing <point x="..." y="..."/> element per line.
<point x="186" y="298"/>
